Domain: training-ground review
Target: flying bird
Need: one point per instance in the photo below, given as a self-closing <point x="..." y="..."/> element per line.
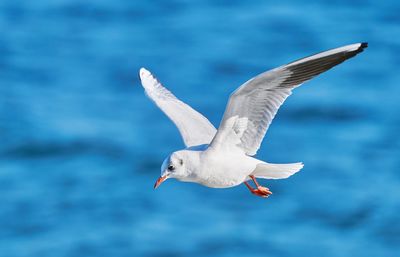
<point x="224" y="158"/>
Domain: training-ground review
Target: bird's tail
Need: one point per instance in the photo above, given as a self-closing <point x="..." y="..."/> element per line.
<point x="276" y="171"/>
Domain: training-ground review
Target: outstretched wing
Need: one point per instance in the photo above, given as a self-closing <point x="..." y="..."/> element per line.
<point x="253" y="105"/>
<point x="195" y="129"/>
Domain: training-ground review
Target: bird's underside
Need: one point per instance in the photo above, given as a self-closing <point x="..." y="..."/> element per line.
<point x="248" y="115"/>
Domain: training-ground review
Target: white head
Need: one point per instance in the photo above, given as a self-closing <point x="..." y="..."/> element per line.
<point x="174" y="166"/>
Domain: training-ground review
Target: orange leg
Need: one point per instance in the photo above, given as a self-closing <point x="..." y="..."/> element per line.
<point x="260" y="190"/>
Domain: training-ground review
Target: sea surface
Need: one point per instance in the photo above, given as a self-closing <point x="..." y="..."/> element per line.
<point x="81" y="144"/>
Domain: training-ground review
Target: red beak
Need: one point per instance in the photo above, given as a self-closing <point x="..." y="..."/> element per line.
<point x="159" y="181"/>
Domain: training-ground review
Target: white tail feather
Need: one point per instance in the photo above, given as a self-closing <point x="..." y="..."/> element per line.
<point x="276" y="171"/>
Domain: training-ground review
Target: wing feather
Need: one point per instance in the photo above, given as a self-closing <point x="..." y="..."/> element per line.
<point x="259" y="99"/>
<point x="195" y="129"/>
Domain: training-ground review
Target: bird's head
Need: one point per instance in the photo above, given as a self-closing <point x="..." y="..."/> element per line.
<point x="172" y="167"/>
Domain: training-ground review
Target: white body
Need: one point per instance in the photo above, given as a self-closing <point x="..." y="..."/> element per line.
<point x="223" y="158"/>
<point x="216" y="169"/>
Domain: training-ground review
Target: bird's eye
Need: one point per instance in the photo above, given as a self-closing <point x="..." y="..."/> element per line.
<point x="171" y="168"/>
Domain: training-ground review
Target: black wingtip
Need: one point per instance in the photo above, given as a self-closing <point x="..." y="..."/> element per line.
<point x="362" y="47"/>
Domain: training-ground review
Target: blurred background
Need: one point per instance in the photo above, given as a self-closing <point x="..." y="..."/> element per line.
<point x="81" y="145"/>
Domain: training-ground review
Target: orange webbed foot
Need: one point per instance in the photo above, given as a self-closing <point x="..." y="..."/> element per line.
<point x="260" y="190"/>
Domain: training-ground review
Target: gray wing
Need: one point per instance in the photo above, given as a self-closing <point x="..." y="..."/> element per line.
<point x="195" y="129"/>
<point x="253" y="105"/>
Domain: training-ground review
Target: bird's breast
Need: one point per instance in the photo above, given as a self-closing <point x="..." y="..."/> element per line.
<point x="220" y="169"/>
<point x="221" y="176"/>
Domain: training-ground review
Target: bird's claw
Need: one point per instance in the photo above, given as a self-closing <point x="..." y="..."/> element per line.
<point x="262" y="191"/>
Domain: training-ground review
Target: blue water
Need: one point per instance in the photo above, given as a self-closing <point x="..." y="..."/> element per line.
<point x="81" y="145"/>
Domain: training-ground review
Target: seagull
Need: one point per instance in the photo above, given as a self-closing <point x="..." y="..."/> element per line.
<point x="225" y="157"/>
